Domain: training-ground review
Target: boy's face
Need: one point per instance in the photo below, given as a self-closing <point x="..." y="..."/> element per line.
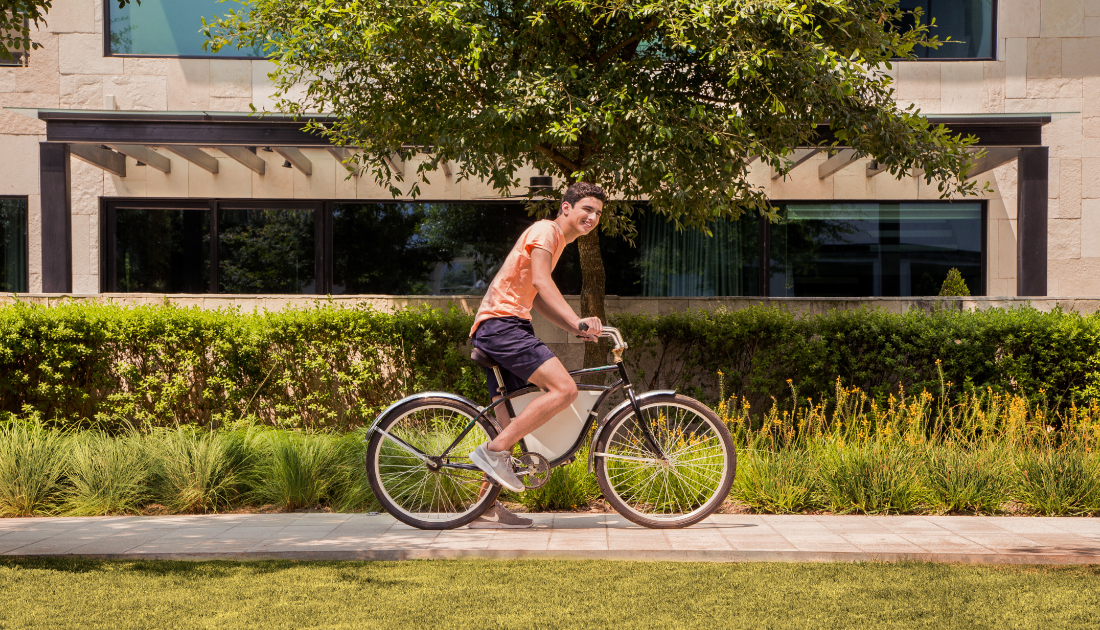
<point x="585" y="215"/>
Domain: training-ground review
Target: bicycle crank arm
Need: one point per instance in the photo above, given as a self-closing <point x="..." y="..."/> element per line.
<point x="421" y="456"/>
<point x="648" y="460"/>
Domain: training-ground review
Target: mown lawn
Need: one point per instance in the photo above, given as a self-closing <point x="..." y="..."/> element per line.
<point x="68" y="593"/>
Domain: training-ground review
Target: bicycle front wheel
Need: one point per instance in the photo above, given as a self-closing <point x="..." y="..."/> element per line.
<point x="685" y="487"/>
<point x="409" y="474"/>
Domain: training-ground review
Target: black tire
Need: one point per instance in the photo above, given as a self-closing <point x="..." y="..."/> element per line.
<point x="407" y="488"/>
<point x="690" y="487"/>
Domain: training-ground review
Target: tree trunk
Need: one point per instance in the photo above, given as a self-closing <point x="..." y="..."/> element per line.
<point x="593" y="284"/>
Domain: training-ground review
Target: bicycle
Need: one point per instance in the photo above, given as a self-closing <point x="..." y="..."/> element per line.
<point x="672" y="469"/>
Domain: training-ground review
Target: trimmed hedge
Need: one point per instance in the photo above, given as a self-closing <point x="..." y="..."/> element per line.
<point x="1050" y="356"/>
<point x="83" y="364"/>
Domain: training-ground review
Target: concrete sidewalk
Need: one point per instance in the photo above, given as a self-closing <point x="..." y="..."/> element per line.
<point x="721" y="538"/>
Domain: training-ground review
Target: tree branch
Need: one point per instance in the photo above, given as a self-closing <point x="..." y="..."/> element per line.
<point x="567" y="166"/>
<point x="637" y="37"/>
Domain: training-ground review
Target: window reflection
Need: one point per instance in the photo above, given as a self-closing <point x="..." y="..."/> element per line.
<point x="265" y="251"/>
<point x="969" y="23"/>
<point x="421" y="248"/>
<point x="162" y="251"/>
<point x="855" y="250"/>
<point x="169" y="27"/>
<point x="13" y="241"/>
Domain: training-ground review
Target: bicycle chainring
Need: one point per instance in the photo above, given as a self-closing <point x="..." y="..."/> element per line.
<point x="532" y="469"/>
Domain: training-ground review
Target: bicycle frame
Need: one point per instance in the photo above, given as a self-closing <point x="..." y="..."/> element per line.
<point x="623" y="383"/>
<point x="506" y="400"/>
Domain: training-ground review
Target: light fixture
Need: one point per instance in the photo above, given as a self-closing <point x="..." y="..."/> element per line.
<point x="268" y="149"/>
<point x="286" y="164"/>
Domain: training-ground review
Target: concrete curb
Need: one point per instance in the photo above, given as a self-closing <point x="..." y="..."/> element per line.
<point x="397" y="555"/>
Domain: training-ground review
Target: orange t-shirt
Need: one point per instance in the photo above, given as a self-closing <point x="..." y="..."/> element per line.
<point x="512" y="291"/>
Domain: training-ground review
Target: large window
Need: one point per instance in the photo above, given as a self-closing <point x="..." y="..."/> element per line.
<point x="167" y="28"/>
<point x="968" y="23"/>
<point x="13" y="244"/>
<point x="266" y="249"/>
<point x="388" y="248"/>
<point x="872" y="249"/>
<point x="161" y="250"/>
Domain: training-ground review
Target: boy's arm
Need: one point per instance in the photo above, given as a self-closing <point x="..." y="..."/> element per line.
<point x="550" y="304"/>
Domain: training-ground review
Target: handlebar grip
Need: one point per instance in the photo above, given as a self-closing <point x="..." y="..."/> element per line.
<point x="582" y="326"/>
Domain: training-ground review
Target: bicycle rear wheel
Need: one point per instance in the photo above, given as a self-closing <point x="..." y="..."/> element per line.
<point x="680" y="491"/>
<point x="414" y="487"/>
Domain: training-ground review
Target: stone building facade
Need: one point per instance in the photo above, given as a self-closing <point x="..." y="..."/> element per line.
<point x="1044" y="68"/>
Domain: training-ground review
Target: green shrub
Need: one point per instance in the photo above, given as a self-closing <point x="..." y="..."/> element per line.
<point x="777" y="482"/>
<point x="198" y="471"/>
<point x="1055" y="482"/>
<point x="954" y="285"/>
<point x="107" y="475"/>
<point x="870" y="478"/>
<point x="298" y="471"/>
<point x="1052" y="358"/>
<point x="961" y="479"/>
<point x="32" y="465"/>
<point x="84" y="364"/>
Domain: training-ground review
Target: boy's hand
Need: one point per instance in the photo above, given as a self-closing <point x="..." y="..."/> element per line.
<point x="595" y="327"/>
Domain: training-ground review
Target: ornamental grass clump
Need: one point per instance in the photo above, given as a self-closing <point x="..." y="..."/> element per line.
<point x="970" y="480"/>
<point x="106" y="475"/>
<point x="199" y="471"/>
<point x="778" y="482"/>
<point x="32" y="467"/>
<point x="1059" y="481"/>
<point x="298" y="471"/>
<point x="871" y="478"/>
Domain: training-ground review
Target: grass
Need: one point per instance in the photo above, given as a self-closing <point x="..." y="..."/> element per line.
<point x="32" y="466"/>
<point x="984" y="453"/>
<point x="595" y="594"/>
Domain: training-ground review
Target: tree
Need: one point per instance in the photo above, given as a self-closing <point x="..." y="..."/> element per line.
<point x="652" y="99"/>
<point x="16" y="18"/>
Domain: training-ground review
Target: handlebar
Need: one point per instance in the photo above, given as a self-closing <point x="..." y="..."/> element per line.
<point x="611" y="333"/>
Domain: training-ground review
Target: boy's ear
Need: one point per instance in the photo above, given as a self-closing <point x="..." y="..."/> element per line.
<point x="564" y="208"/>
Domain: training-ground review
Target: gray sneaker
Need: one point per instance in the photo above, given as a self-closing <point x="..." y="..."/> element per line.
<point x="498" y="465"/>
<point x="498" y="517"/>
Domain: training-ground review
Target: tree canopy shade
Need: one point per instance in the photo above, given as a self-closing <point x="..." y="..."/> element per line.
<point x="665" y="100"/>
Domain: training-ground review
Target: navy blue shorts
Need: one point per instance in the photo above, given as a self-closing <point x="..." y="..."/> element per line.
<point x="512" y="343"/>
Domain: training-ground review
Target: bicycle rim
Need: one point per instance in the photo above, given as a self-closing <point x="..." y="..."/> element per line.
<point x="683" y="490"/>
<point x="405" y="484"/>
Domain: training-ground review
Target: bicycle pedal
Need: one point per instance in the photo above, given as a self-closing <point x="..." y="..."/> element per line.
<point x="532" y="469"/>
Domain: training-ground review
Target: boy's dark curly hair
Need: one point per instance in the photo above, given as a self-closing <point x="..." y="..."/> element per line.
<point x="580" y="190"/>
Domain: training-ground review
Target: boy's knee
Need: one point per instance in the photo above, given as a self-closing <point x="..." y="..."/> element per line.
<point x="570" y="393"/>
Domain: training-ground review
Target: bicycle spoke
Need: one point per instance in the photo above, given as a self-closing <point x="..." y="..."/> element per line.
<point x="688" y="478"/>
<point x="411" y="481"/>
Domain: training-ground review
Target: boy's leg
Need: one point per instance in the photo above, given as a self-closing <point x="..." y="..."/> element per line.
<point x="561" y="391"/>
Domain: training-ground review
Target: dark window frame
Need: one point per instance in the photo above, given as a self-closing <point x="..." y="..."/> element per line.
<point x="27" y="235"/>
<point x="108" y="273"/>
<point x="107" y="52"/>
<point x="992" y="45"/>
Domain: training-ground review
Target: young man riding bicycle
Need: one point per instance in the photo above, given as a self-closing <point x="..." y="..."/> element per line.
<point x="502" y="329"/>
